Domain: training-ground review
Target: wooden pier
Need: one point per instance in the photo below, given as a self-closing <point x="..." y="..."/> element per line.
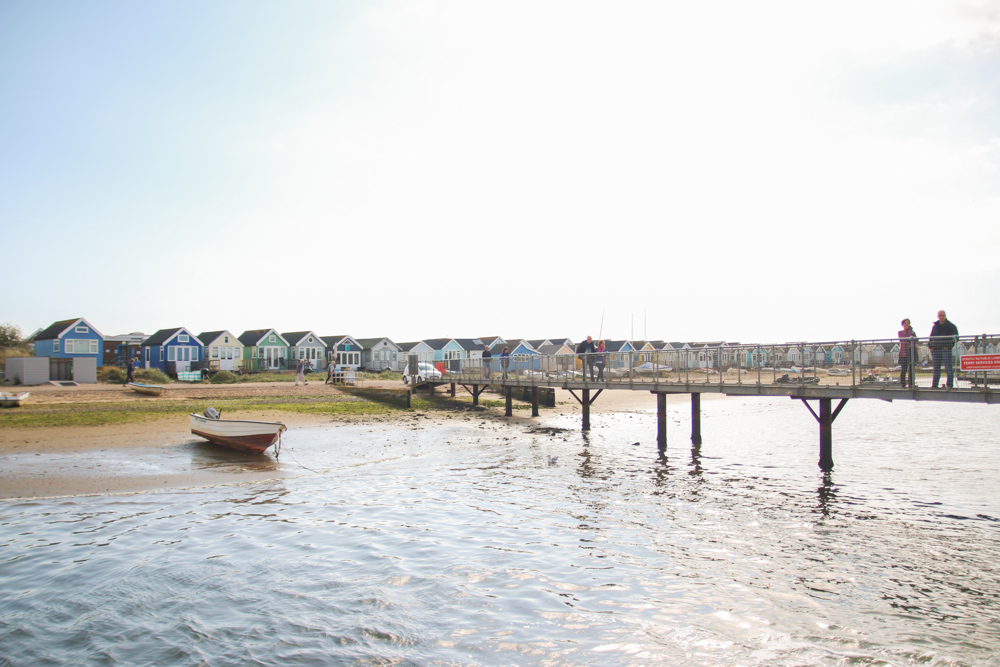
<point x="533" y="374"/>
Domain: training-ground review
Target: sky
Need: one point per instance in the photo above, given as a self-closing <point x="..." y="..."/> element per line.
<point x="752" y="172"/>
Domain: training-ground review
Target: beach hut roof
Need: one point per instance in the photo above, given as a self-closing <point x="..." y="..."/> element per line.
<point x="368" y="343"/>
<point x="293" y="337"/>
<point x="163" y="335"/>
<point x="251" y="337"/>
<point x="57" y="329"/>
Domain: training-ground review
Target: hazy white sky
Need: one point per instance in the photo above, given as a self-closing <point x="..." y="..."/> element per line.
<point x="765" y="171"/>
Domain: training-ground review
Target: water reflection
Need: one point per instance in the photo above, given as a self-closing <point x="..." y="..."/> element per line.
<point x="206" y="456"/>
<point x="827" y="494"/>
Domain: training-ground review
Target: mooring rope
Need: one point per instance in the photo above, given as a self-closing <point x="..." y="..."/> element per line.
<point x="277" y="453"/>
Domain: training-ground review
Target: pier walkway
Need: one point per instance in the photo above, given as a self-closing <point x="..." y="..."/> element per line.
<point x="821" y="372"/>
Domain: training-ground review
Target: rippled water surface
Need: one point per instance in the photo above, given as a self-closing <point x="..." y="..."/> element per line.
<point x="464" y="543"/>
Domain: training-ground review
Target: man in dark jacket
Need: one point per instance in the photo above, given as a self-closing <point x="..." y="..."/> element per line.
<point x="585" y="351"/>
<point x="942" y="341"/>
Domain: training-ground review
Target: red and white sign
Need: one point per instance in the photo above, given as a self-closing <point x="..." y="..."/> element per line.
<point x="980" y="362"/>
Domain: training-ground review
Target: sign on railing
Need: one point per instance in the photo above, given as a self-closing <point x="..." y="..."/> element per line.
<point x="980" y="362"/>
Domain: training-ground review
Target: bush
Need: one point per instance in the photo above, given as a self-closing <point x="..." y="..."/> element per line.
<point x="111" y="375"/>
<point x="151" y="376"/>
<point x="223" y="377"/>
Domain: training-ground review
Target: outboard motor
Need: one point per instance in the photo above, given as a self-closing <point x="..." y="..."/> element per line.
<point x="212" y="413"/>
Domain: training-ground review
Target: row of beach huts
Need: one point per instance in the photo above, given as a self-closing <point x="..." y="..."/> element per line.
<point x="75" y="349"/>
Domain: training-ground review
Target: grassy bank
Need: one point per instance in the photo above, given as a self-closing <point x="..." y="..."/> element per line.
<point x="131" y="411"/>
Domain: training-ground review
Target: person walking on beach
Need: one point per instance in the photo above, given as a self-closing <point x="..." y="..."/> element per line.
<point x="943" y="335"/>
<point x="300" y="372"/>
<point x="585" y="351"/>
<point x="505" y="361"/>
<point x="329" y="372"/>
<point x="130" y="369"/>
<point x="907" y="352"/>
<point x="487" y="362"/>
<point x="601" y="359"/>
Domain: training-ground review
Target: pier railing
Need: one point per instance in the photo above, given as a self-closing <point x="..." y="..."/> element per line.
<point x="867" y="363"/>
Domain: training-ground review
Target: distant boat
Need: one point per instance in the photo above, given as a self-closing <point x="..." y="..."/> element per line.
<point x="8" y="400"/>
<point x="838" y="371"/>
<point x="148" y="389"/>
<point x="245" y="436"/>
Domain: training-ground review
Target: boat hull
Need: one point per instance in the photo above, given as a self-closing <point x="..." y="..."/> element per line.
<point x="14" y="400"/>
<point x="147" y="389"/>
<point x="244" y="436"/>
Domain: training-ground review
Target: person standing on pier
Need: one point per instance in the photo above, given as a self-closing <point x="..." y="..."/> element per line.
<point x="907" y="352"/>
<point x="585" y="351"/>
<point x="943" y="335"/>
<point x="601" y="359"/>
<point x="487" y="362"/>
<point x="505" y="361"/>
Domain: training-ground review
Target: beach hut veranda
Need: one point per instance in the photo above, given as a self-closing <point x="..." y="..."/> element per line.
<point x="307" y="346"/>
<point x="223" y="350"/>
<point x="264" y="350"/>
<point x="172" y="350"/>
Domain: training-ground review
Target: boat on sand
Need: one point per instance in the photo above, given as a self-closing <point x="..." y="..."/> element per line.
<point x="243" y="435"/>
<point x="9" y="400"/>
<point x="148" y="389"/>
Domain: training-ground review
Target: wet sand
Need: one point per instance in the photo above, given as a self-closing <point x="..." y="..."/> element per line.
<point x="163" y="454"/>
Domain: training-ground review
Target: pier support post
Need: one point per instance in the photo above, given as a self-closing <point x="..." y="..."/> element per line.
<point x="508" y="408"/>
<point x="475" y="395"/>
<point x="585" y="400"/>
<point x="825" y="418"/>
<point x="661" y="421"/>
<point x="534" y="401"/>
<point x="453" y="390"/>
<point x="695" y="419"/>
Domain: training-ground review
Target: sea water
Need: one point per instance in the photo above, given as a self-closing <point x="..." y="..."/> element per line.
<point x="478" y="542"/>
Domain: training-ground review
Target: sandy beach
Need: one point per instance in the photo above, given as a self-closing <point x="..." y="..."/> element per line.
<point x="162" y="453"/>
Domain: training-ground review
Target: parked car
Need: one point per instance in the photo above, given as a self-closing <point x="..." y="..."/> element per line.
<point x="425" y="372"/>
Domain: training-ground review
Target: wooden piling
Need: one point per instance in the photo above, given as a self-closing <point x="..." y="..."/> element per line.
<point x="661" y="421"/>
<point x="695" y="419"/>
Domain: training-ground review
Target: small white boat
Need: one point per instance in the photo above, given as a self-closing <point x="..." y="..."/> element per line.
<point x="148" y="389"/>
<point x="651" y="368"/>
<point x="245" y="436"/>
<point x="838" y="371"/>
<point x="9" y="400"/>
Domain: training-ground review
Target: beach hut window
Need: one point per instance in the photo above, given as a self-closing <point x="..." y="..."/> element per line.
<point x="171" y="354"/>
<point x="55" y="346"/>
<point x="183" y="338"/>
<point x="215" y="352"/>
<point x="272" y="339"/>
<point x="81" y="330"/>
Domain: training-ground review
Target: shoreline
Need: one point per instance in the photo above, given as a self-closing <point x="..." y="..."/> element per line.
<point x="159" y="452"/>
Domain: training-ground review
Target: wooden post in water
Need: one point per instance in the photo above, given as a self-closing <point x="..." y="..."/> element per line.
<point x="475" y="395"/>
<point x="508" y="408"/>
<point x="825" y="419"/>
<point x="825" y="435"/>
<point x="534" y="401"/>
<point x="661" y="421"/>
<point x="695" y="419"/>
<point x="585" y="404"/>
